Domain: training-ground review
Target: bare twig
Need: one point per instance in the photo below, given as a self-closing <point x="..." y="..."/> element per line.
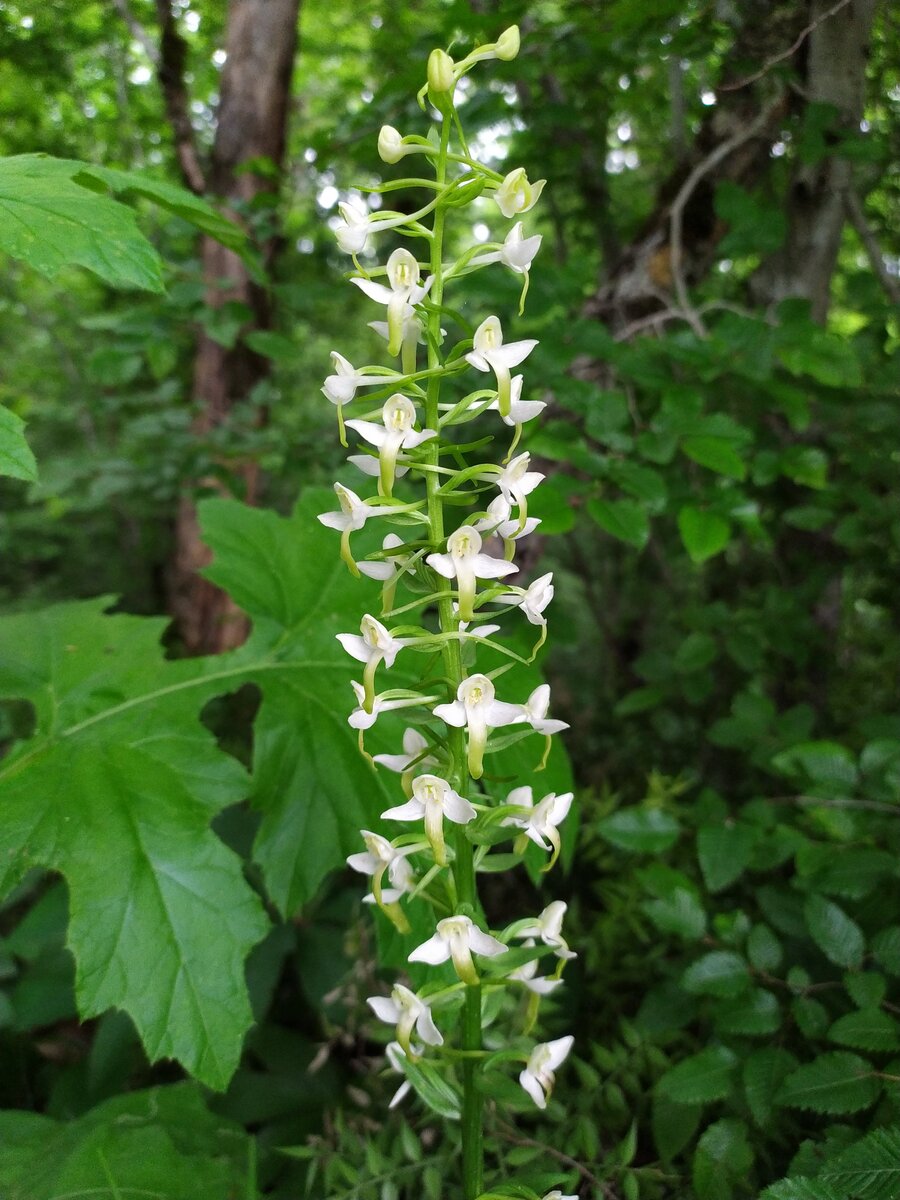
<point x="137" y="31"/>
<point x="857" y="218"/>
<point x="170" y="68"/>
<point x="685" y="192"/>
<point x="792" y="49"/>
<point x="516" y="1139"/>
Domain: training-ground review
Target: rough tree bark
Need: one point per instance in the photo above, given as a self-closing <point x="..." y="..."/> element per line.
<point x="251" y="123"/>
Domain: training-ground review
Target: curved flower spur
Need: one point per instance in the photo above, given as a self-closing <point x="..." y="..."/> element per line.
<point x="454" y="573"/>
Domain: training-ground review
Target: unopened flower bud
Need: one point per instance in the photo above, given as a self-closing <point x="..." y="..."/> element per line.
<point x="508" y="43"/>
<point x="441" y="77"/>
<point x="390" y="145"/>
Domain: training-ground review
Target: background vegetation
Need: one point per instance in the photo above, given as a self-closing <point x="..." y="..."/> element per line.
<point x="716" y="300"/>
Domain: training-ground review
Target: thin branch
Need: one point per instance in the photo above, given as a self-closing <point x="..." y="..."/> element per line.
<point x="517" y="1140"/>
<point x="685" y="192"/>
<point x="137" y="31"/>
<point x="857" y="218"/>
<point x="170" y="69"/>
<point x="792" y="49"/>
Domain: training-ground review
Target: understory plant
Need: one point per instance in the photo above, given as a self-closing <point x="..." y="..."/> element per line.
<point x="449" y="579"/>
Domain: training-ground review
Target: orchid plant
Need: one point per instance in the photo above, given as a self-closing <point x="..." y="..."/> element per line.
<point x="460" y="574"/>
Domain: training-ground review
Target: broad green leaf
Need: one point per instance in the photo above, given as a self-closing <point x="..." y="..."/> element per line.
<point x="624" y="519"/>
<point x="870" y="1170"/>
<point x="643" y="830"/>
<point x="720" y="973"/>
<point x="866" y="1029"/>
<point x="716" y="453"/>
<point x="701" y="1078"/>
<point x="721" y="1160"/>
<point x="806" y="465"/>
<point x="50" y="222"/>
<point x="704" y="534"/>
<point x="756" y="1013"/>
<point x="827" y="766"/>
<point x="16" y="459"/>
<point x="680" y="912"/>
<point x="865" y="988"/>
<point x="117" y="775"/>
<point x="835" y="1083"/>
<point x="674" y="1124"/>
<point x="162" y="1143"/>
<point x="824" y="356"/>
<point x="838" y="936"/>
<point x="763" y="1073"/>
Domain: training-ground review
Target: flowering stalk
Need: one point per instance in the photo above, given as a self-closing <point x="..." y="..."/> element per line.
<point x="452" y="816"/>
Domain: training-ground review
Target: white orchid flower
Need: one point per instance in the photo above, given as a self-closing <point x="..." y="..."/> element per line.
<point x="520" y="410"/>
<point x="395" y="1055"/>
<point x="341" y="387"/>
<point x="478" y="711"/>
<point x="458" y="938"/>
<point x="516" y="195"/>
<point x="547" y="927"/>
<point x="517" y="252"/>
<point x="540" y="985"/>
<point x="516" y="482"/>
<point x="357" y="225"/>
<point x="362" y="718"/>
<point x="433" y="799"/>
<point x="414" y="747"/>
<point x="408" y="1012"/>
<point x="499" y="522"/>
<point x="535" y="710"/>
<point x="545" y="1059"/>
<point x="385" y="568"/>
<point x="539" y="822"/>
<point x="382" y="856"/>
<point x="490" y="354"/>
<point x="371" y="466"/>
<point x="353" y="515"/>
<point x="556" y="1194"/>
<point x="372" y="645"/>
<point x="533" y="600"/>
<point x="396" y="433"/>
<point x="403" y="294"/>
<point x="465" y="563"/>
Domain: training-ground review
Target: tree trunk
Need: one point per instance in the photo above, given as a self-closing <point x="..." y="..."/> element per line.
<point x="819" y="198"/>
<point x="251" y="124"/>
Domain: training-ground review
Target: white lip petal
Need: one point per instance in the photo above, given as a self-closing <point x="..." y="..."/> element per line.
<point x="375" y="291"/>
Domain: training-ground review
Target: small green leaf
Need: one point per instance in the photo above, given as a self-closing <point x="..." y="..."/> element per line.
<point x="886" y="949"/>
<point x="721" y="1161"/>
<point x="718" y="454"/>
<point x="838" y="936"/>
<point x="431" y="1086"/>
<point x="720" y="973"/>
<point x="764" y="949"/>
<point x="801" y="1189"/>
<point x="835" y="1083"/>
<point x="704" y="534"/>
<point x="701" y="1078"/>
<point x="680" y="913"/>
<point x="754" y="1014"/>
<point x="724" y="852"/>
<point x="763" y="1073"/>
<point x="866" y="1029"/>
<point x="624" y="519"/>
<point x="869" y="1170"/>
<point x="674" y="1124"/>
<point x="16" y="459"/>
<point x="643" y="830"/>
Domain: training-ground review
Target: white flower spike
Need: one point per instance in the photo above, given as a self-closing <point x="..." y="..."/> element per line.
<point x="516" y="482"/>
<point x="402" y="295"/>
<point x="533" y="601"/>
<point x="517" y="252"/>
<point x="539" y="1075"/>
<point x="408" y="1012"/>
<point x="433" y="799"/>
<point x="498" y="523"/>
<point x="478" y="711"/>
<point x="396" y="433"/>
<point x="515" y="195"/>
<point x="465" y="563"/>
<point x="539" y="822"/>
<point x="538" y="985"/>
<point x="458" y="938"/>
<point x="490" y="354"/>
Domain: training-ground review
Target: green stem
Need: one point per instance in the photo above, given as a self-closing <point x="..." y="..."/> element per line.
<point x="464" y="862"/>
